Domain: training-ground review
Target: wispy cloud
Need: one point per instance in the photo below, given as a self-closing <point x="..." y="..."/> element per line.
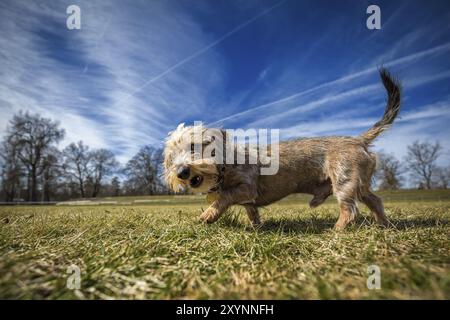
<point x="337" y="124"/>
<point x="346" y="98"/>
<point x="342" y="80"/>
<point x="201" y="51"/>
<point x="137" y="69"/>
<point x="130" y="74"/>
<point x="120" y="56"/>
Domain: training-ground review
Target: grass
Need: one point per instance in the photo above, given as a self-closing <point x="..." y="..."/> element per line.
<point x="158" y="250"/>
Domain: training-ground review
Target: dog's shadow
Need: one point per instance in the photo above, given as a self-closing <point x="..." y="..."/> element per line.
<point x="317" y="225"/>
<point x="301" y="226"/>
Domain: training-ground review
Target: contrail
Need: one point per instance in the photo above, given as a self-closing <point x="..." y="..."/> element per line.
<point x="348" y="94"/>
<point x="201" y="51"/>
<point x="406" y="59"/>
<point x="102" y="33"/>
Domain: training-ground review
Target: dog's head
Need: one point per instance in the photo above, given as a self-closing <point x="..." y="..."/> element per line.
<point x="190" y="158"/>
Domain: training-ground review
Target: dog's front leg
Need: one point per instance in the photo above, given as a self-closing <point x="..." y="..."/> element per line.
<point x="214" y="211"/>
<point x="242" y="194"/>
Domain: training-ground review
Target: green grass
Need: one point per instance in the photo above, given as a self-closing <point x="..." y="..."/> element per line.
<point x="160" y="251"/>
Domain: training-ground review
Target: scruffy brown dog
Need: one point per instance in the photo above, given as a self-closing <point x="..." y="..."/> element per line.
<point x="342" y="166"/>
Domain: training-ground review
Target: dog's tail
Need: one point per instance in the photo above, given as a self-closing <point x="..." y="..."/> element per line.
<point x="393" y="89"/>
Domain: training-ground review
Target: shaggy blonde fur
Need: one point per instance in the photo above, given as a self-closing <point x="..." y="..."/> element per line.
<point x="342" y="166"/>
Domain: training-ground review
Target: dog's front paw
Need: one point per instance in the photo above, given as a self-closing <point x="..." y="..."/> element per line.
<point x="210" y="215"/>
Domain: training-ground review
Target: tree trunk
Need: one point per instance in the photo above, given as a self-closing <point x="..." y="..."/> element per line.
<point x="81" y="188"/>
<point x="428" y="183"/>
<point x="94" y="190"/>
<point x="9" y="195"/>
<point x="33" y="185"/>
<point x="46" y="189"/>
<point x="29" y="186"/>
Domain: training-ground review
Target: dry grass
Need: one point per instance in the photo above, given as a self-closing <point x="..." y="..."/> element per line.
<point x="161" y="252"/>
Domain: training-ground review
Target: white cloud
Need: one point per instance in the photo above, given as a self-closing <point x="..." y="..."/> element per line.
<point x="129" y="76"/>
<point x="137" y="71"/>
<point x="116" y="51"/>
<point x="336" y="85"/>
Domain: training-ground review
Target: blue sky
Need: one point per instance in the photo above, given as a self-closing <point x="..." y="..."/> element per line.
<point x="138" y="68"/>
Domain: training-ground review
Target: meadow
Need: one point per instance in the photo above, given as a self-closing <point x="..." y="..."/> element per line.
<point x="155" y="248"/>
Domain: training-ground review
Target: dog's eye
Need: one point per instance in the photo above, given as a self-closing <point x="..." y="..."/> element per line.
<point x="213" y="153"/>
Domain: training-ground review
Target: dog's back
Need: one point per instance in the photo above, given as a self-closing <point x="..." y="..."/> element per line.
<point x="342" y="164"/>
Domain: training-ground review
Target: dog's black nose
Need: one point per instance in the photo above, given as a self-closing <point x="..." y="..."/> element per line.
<point x="183" y="173"/>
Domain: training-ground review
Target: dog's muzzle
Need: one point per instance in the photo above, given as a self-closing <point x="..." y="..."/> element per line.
<point x="183" y="173"/>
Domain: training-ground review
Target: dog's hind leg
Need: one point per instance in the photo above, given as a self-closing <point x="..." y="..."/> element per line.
<point x="373" y="202"/>
<point x="253" y="215"/>
<point x="346" y="192"/>
<point x="348" y="213"/>
<point x="375" y="205"/>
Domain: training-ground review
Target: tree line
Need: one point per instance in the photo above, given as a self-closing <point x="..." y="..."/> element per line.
<point x="32" y="168"/>
<point x="419" y="165"/>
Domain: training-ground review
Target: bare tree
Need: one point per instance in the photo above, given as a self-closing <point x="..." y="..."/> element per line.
<point x="103" y="163"/>
<point x="143" y="171"/>
<point x="32" y="135"/>
<point x="51" y="172"/>
<point x="389" y="171"/>
<point x="76" y="162"/>
<point x="115" y="186"/>
<point x="11" y="170"/>
<point x="421" y="161"/>
<point x="442" y="177"/>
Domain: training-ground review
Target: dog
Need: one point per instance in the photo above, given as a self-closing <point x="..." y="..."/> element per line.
<point x="322" y="166"/>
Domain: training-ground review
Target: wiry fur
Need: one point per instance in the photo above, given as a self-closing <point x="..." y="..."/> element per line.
<point x="342" y="166"/>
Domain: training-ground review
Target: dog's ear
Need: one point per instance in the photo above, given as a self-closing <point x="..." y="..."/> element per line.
<point x="179" y="127"/>
<point x="167" y="161"/>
